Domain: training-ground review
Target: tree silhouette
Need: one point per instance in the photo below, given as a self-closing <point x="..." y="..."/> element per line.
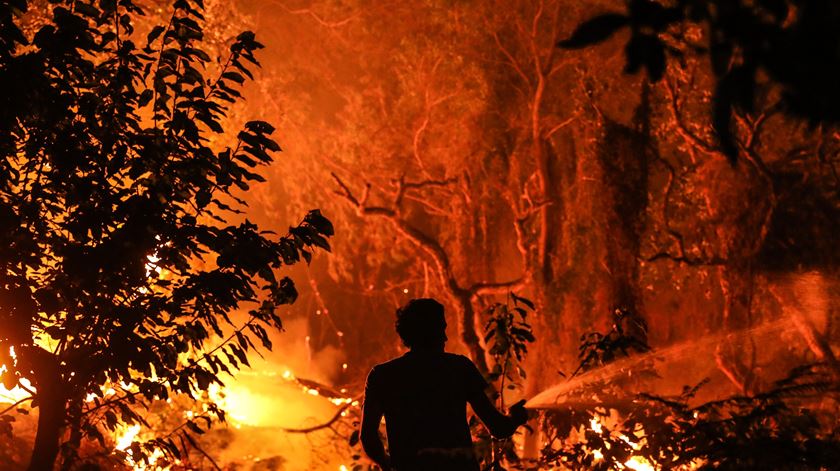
<point x="791" y="44"/>
<point x="124" y="249"/>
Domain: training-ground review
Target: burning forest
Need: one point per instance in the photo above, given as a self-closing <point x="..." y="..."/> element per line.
<point x="620" y="218"/>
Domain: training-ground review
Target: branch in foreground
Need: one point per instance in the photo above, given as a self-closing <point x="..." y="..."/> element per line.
<point x="329" y="423"/>
<point x="4" y="411"/>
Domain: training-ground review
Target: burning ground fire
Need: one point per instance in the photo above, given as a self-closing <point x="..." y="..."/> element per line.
<point x="247" y="409"/>
<point x="254" y="411"/>
<point x="243" y="406"/>
<point x="635" y="463"/>
<point x="244" y="409"/>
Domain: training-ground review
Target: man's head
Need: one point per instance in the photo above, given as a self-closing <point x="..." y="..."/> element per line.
<point x="421" y="324"/>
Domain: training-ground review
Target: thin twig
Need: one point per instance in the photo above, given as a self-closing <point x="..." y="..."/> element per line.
<point x="328" y="424"/>
<point x="16" y="404"/>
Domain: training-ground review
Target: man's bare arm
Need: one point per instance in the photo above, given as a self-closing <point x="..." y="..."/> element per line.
<point x="499" y="425"/>
<point x="369" y="435"/>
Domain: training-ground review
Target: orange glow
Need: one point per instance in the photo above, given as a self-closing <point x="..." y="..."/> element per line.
<point x="635" y="463"/>
<point x="17" y="393"/>
<point x="124" y="436"/>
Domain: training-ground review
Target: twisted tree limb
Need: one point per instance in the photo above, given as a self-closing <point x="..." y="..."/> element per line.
<point x="463" y="297"/>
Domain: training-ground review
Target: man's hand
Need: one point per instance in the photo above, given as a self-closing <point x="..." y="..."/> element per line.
<point x="518" y="414"/>
<point x="384" y="463"/>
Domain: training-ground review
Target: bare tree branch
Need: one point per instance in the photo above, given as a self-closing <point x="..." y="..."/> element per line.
<point x="4" y="411"/>
<point x="681" y="256"/>
<point x="468" y="326"/>
<point x="327" y="424"/>
<point x="683" y="130"/>
<point x="560" y="125"/>
<point x="479" y="289"/>
<point x="511" y="61"/>
<point x="318" y="17"/>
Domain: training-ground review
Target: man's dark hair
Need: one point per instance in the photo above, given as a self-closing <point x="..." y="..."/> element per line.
<point x="421" y="323"/>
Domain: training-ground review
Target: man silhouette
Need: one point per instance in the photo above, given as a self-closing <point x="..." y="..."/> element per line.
<point x="423" y="396"/>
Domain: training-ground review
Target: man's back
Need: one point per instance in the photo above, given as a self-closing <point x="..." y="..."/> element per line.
<point x="423" y="396"/>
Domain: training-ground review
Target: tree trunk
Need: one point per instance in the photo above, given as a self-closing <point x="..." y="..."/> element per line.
<point x="51" y="407"/>
<point x="50" y="419"/>
<point x="622" y="155"/>
<point x="468" y="329"/>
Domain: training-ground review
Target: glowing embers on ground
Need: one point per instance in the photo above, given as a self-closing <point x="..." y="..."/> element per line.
<point x="261" y="405"/>
<point x="247" y="403"/>
<point x="128" y="437"/>
<point x="636" y="442"/>
<point x="636" y="463"/>
<point x="125" y="438"/>
<point x="262" y="401"/>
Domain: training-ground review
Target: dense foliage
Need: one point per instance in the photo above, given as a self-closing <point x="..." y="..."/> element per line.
<point x="792" y="43"/>
<point x="789" y="425"/>
<point x="124" y="252"/>
<point x="507" y="335"/>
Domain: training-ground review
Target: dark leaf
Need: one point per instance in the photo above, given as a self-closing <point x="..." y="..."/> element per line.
<point x="595" y="30"/>
<point x="524" y="301"/>
<point x="778" y="8"/>
<point x="155" y="33"/>
<point x="648" y="51"/>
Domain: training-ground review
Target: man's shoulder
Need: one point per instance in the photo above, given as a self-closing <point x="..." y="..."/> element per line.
<point x="457" y="359"/>
<point x="386" y="366"/>
<point x="405" y="361"/>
